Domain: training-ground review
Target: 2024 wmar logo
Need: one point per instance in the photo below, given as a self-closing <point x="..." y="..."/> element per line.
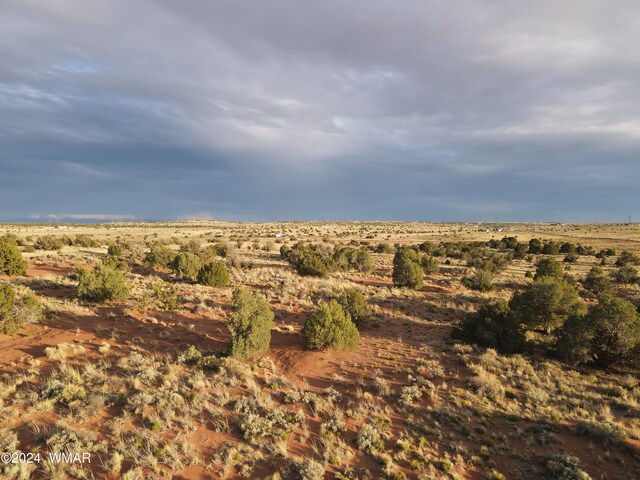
<point x="51" y="457"/>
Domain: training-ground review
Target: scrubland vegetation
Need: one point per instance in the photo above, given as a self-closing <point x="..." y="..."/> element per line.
<point x="329" y="350"/>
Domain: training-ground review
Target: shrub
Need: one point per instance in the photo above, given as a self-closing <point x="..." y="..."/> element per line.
<point x="186" y="265"/>
<point x="626" y="274"/>
<point x="285" y="250"/>
<point x="163" y="295"/>
<point x="309" y="260"/>
<point x="535" y="246"/>
<point x="550" y="248"/>
<point x="383" y="248"/>
<point x="571" y="258"/>
<point x="493" y="326"/>
<point x="211" y="252"/>
<point x="159" y="255"/>
<point x="311" y="470"/>
<point x="86" y="241"/>
<point x="115" y="249"/>
<point x="564" y="467"/>
<point x="192" y="246"/>
<point x="11" y="261"/>
<point x="546" y="303"/>
<point x="49" y="242"/>
<point x="348" y="258"/>
<point x="627" y="258"/>
<point x="370" y="439"/>
<point x="354" y="303"/>
<point x="16" y="312"/>
<point x="606" y="335"/>
<point x="116" y="263"/>
<point x="548" y="267"/>
<point x="330" y="327"/>
<point x="429" y="265"/>
<point x="214" y="274"/>
<point x="102" y="283"/>
<point x="481" y="280"/>
<point x="250" y="324"/>
<point x="520" y="250"/>
<point x="407" y="271"/>
<point x="597" y="283"/>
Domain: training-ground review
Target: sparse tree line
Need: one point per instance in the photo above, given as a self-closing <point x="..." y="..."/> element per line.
<point x="604" y="334"/>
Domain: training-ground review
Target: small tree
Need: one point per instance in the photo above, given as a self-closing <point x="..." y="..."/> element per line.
<point x="330" y="327"/>
<point x="606" y="335"/>
<point x="597" y="283"/>
<point x="548" y="267"/>
<point x="115" y="249"/>
<point x="626" y="274"/>
<point x="407" y="271"/>
<point x="520" y="250"/>
<point x="354" y="303"/>
<point x="186" y="265"/>
<point x="493" y="326"/>
<point x="159" y="255"/>
<point x="250" y="324"/>
<point x="627" y="258"/>
<point x="214" y="274"/>
<point x="11" y="261"/>
<point x="101" y="284"/>
<point x="546" y="303"/>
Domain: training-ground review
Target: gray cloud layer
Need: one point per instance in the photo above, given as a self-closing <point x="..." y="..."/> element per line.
<point x="426" y="109"/>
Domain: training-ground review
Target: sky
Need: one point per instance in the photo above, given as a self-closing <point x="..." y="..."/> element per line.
<point x="430" y="110"/>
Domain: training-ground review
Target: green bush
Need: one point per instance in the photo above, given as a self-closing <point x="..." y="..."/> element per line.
<point x="192" y="246"/>
<point x="162" y="295"/>
<point x="546" y="303"/>
<point x="214" y="274"/>
<point x="86" y="241"/>
<point x="101" y="284"/>
<point x="115" y="249"/>
<point x="348" y="258"/>
<point x="571" y="258"/>
<point x="481" y="280"/>
<point x="597" y="283"/>
<point x="356" y="305"/>
<point x="383" y="248"/>
<point x="535" y="246"/>
<point x="116" y="263"/>
<point x="49" y="242"/>
<point x="548" y="267"/>
<point x="309" y="260"/>
<point x="429" y="265"/>
<point x="16" y="312"/>
<point x="186" y="265"/>
<point x="285" y="250"/>
<point x="11" y="261"/>
<point x="626" y="274"/>
<point x="211" y="252"/>
<point x="250" y="324"/>
<point x="627" y="258"/>
<point x="407" y="271"/>
<point x="330" y="327"/>
<point x="606" y="335"/>
<point x="492" y="326"/>
<point x="159" y="255"/>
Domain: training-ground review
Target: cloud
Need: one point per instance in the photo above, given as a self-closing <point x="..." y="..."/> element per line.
<point x="419" y="110"/>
